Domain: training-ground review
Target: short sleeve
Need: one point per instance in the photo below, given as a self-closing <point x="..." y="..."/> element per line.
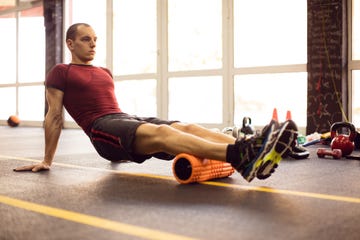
<point x="108" y="71"/>
<point x="56" y="78"/>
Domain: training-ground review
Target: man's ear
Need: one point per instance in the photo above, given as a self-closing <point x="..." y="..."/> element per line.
<point x="70" y="44"/>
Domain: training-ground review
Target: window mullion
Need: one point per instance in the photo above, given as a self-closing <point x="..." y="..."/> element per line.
<point x="228" y="62"/>
<point x="162" y="96"/>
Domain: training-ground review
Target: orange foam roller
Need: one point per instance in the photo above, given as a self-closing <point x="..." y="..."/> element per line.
<point x="188" y="168"/>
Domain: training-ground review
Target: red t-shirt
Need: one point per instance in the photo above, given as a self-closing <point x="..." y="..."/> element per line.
<point x="88" y="92"/>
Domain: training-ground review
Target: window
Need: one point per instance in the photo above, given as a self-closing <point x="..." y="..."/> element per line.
<point x="22" y="61"/>
<point x="32" y="102"/>
<point x="355" y="30"/>
<point x="135" y="54"/>
<point x="94" y="13"/>
<point x="268" y="33"/>
<point x="258" y="94"/>
<point x="31" y="45"/>
<point x="195" y="34"/>
<point x="191" y="60"/>
<point x="355" y="62"/>
<point x="135" y="37"/>
<point x="196" y="99"/>
<point x="195" y="44"/>
<point x="356" y="98"/>
<point x="31" y="64"/>
<point x="270" y="53"/>
<point x="8" y="102"/>
<point x="8" y="49"/>
<point x="137" y="96"/>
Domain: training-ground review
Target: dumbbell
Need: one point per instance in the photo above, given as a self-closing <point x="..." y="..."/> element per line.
<point x="335" y="153"/>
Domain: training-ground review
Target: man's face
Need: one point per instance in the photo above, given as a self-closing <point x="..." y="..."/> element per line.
<point x="83" y="47"/>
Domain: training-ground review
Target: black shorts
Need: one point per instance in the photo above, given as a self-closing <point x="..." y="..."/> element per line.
<point x="113" y="137"/>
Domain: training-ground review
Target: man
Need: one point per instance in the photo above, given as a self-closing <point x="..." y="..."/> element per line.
<point x="87" y="93"/>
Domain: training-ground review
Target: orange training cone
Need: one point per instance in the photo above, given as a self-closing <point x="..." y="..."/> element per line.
<point x="275" y="115"/>
<point x="288" y="115"/>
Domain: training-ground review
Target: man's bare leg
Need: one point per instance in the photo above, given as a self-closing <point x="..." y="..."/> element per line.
<point x="253" y="157"/>
<point x="203" y="132"/>
<point x="175" y="139"/>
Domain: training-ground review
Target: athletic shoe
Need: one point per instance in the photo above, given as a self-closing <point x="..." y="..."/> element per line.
<point x="233" y="131"/>
<point x="282" y="141"/>
<point x="254" y="149"/>
<point x="298" y="152"/>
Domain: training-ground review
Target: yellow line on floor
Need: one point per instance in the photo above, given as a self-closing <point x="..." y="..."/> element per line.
<point x="2" y="157"/>
<point x="288" y="192"/>
<point x="212" y="183"/>
<point x="97" y="222"/>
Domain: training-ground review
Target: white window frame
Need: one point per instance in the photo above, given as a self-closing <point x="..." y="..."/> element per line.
<point x="17" y="10"/>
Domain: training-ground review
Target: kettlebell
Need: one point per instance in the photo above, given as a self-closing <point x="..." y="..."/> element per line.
<point x="246" y="126"/>
<point x="342" y="141"/>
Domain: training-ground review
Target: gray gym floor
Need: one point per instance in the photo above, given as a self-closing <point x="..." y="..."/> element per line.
<point x="86" y="197"/>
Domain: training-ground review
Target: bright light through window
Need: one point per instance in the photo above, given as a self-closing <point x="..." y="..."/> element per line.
<point x="32" y="103"/>
<point x="356" y="30"/>
<point x="32" y="49"/>
<point x="135" y="41"/>
<point x="23" y="61"/>
<point x="270" y="33"/>
<point x="196" y="99"/>
<point x="8" y="49"/>
<point x="8" y="102"/>
<point x="356" y="56"/>
<point x="257" y="95"/>
<point x="356" y="98"/>
<point x="94" y="13"/>
<point x="137" y="97"/>
<point x="195" y="34"/>
<point x="266" y="33"/>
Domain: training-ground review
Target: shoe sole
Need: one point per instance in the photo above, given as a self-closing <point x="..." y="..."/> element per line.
<point x="283" y="144"/>
<point x="264" y="165"/>
<point x="249" y="173"/>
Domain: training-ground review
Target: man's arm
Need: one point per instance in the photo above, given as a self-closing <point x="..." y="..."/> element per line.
<point x="53" y="125"/>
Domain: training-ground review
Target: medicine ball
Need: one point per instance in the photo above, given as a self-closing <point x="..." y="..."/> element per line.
<point x="13" y="121"/>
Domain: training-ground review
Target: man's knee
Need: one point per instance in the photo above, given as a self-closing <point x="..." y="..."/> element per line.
<point x="164" y="130"/>
<point x="155" y="133"/>
<point x="187" y="127"/>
